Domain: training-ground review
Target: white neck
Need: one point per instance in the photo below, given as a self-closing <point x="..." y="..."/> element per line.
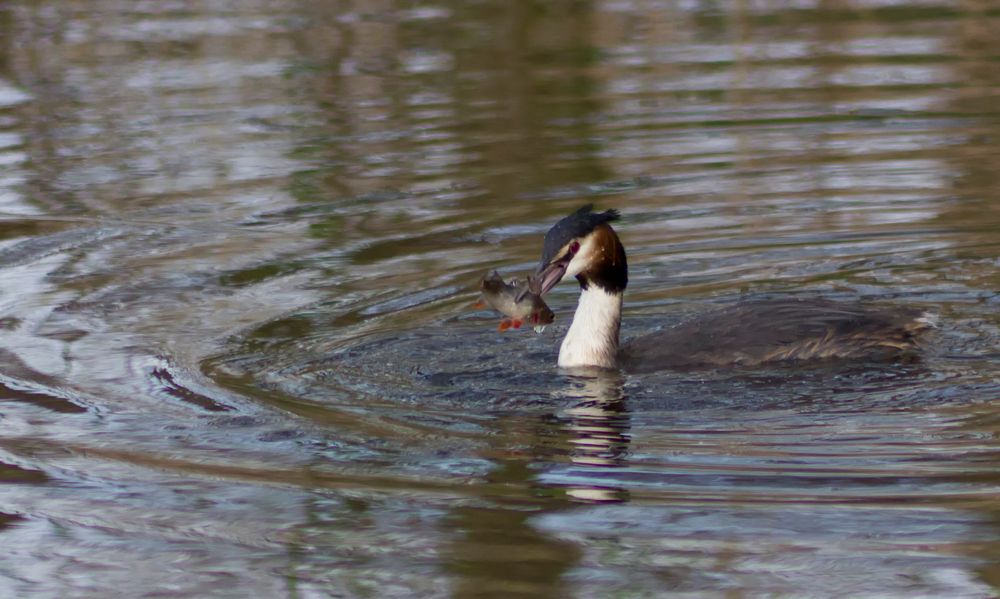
<point x="592" y="339"/>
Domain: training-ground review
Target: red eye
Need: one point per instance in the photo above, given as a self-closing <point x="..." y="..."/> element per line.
<point x="574" y="247"/>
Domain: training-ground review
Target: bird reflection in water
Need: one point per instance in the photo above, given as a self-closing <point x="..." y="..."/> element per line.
<point x="598" y="426"/>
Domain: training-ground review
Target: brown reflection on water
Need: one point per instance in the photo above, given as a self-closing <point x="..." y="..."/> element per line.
<point x="9" y="473"/>
<point x="499" y="551"/>
<point x="974" y="178"/>
<point x="491" y="103"/>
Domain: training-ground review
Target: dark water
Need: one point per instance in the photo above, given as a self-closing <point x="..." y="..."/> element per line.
<point x="237" y="249"/>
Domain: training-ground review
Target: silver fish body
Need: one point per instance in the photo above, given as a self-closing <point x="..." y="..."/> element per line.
<point x="516" y="301"/>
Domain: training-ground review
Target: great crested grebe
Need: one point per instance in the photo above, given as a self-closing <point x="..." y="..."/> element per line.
<point x="752" y="332"/>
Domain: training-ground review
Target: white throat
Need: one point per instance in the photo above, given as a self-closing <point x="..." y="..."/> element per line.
<point x="592" y="339"/>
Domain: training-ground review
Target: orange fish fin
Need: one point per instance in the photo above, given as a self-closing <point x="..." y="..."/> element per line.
<point x="504" y="325"/>
<point x="516" y="323"/>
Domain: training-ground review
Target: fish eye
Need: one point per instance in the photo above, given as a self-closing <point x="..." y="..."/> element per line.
<point x="574" y="247"/>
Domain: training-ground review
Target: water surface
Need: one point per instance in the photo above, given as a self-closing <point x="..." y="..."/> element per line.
<point x="239" y="243"/>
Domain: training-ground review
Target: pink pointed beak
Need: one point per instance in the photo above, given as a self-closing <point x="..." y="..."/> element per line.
<point x="549" y="275"/>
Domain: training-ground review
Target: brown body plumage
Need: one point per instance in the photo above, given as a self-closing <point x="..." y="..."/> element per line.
<point x="756" y="332"/>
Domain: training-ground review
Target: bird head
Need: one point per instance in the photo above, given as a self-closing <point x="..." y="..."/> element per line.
<point x="583" y="245"/>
